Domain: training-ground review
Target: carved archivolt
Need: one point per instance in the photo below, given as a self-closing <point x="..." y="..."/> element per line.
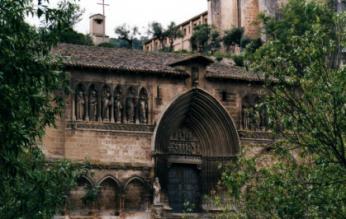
<point x="119" y="104"/>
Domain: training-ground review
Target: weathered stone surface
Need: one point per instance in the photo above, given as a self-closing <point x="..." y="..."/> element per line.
<point x="123" y="154"/>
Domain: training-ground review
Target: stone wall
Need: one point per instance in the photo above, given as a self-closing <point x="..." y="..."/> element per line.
<point x="121" y="153"/>
<point x="249" y="11"/>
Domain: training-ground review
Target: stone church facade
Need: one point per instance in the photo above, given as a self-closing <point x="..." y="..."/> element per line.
<point x="137" y="116"/>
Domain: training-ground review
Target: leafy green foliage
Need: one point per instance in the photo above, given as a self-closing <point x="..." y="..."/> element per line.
<point x="92" y="194"/>
<point x="157" y="31"/>
<point x="127" y="34"/>
<point x="286" y="190"/>
<point x="307" y="105"/>
<point x="173" y="32"/>
<point x="137" y="43"/>
<point x="238" y="60"/>
<point x="233" y="37"/>
<point x="303" y="53"/>
<point x="73" y="37"/>
<point x="107" y="45"/>
<point x="32" y="88"/>
<point x="205" y="39"/>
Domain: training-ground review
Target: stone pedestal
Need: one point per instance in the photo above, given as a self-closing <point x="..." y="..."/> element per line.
<point x="157" y="211"/>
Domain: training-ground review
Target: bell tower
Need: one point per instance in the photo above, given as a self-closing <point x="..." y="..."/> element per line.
<point x="97" y="29"/>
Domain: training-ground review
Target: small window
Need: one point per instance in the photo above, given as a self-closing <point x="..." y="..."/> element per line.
<point x="224" y="96"/>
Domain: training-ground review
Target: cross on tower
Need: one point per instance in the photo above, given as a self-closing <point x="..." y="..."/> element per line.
<point x="103" y="13"/>
<point x="103" y="7"/>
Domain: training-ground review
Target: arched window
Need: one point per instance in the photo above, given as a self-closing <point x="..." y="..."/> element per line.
<point x="109" y="198"/>
<point x="136" y="195"/>
<point x="143" y="111"/>
<point x="80" y="102"/>
<point x="93" y="103"/>
<point x="106" y="106"/>
<point x="76" y="204"/>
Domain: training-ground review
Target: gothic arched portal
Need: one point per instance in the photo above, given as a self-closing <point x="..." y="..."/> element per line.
<point x="193" y="137"/>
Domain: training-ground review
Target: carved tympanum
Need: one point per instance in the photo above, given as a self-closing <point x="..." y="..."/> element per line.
<point x="183" y="142"/>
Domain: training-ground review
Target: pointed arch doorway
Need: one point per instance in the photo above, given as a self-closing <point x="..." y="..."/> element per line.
<point x="194" y="135"/>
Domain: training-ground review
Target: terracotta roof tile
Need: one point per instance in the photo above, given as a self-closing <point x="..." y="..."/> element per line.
<point x="142" y="62"/>
<point x="232" y="72"/>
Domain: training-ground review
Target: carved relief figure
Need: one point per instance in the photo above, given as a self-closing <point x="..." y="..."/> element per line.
<point x="118" y="106"/>
<point x="143" y="106"/>
<point x="93" y="105"/>
<point x="254" y="115"/>
<point x="130" y="106"/>
<point x="245" y="119"/>
<point x="106" y="105"/>
<point x="157" y="191"/>
<point x="80" y="105"/>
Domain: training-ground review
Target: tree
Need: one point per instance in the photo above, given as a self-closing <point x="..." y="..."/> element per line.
<point x="173" y="32"/>
<point x="158" y="32"/>
<point x="233" y="37"/>
<point x="204" y="39"/>
<point x="32" y="88"/>
<point x="307" y="103"/>
<point x="69" y="35"/>
<point x="127" y="34"/>
<point x="73" y="37"/>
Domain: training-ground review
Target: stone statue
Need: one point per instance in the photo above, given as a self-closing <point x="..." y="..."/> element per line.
<point x="264" y="118"/>
<point x="118" y="108"/>
<point x="106" y="105"/>
<point x="251" y="118"/>
<point x="130" y="107"/>
<point x="257" y="119"/>
<point x="93" y="105"/>
<point x="245" y="117"/>
<point x="143" y="109"/>
<point x="80" y="105"/>
<point x="157" y="191"/>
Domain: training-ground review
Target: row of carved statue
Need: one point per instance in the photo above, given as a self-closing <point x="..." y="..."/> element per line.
<point x="118" y="106"/>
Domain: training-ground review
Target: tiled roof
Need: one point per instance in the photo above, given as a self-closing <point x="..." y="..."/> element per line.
<point x="78" y="56"/>
<point x="231" y="72"/>
<point x="117" y="59"/>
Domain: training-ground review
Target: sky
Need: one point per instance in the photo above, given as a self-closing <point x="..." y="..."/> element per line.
<point x="139" y="12"/>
